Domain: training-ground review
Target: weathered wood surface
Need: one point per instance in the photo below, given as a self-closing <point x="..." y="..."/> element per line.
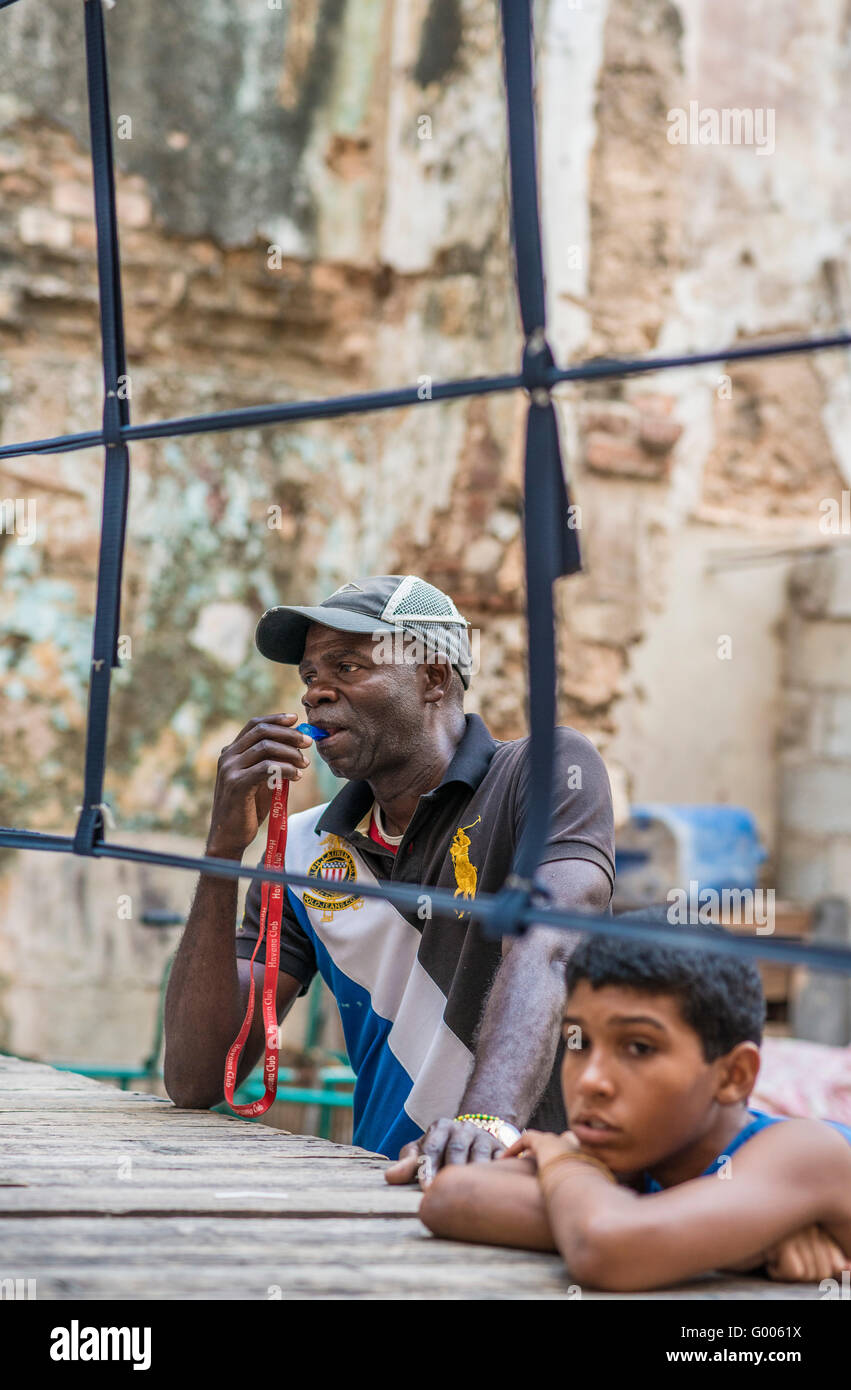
<point x="110" y="1194"/>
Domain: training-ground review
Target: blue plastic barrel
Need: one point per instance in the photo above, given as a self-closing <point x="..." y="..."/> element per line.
<point x="665" y="846"/>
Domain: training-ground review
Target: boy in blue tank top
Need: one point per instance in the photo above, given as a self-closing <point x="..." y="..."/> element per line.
<point x="665" y="1172"/>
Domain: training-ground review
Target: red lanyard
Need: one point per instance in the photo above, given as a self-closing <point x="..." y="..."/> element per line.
<point x="271" y="903"/>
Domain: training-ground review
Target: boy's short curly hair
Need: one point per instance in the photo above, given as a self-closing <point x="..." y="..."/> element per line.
<point x="720" y="996"/>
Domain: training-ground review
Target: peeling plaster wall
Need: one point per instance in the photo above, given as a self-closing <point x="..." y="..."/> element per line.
<point x="815" y="756"/>
<point x="313" y="201"/>
<point x="696" y="246"/>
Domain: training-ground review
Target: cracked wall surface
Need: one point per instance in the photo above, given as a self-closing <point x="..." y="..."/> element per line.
<point x="313" y="201"/>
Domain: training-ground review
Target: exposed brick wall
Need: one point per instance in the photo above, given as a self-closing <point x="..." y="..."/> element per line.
<point x="299" y="131"/>
<point x="815" y="759"/>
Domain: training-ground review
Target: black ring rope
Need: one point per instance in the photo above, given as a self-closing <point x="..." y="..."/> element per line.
<point x="256" y="416"/>
<point x="115" y="414"/>
<point x="551" y="546"/>
<point x="784" y="950"/>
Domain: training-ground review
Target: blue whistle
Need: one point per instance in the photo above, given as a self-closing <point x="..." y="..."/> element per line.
<point x="312" y="731"/>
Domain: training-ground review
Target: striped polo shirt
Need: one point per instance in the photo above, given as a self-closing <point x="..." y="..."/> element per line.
<point x="410" y="984"/>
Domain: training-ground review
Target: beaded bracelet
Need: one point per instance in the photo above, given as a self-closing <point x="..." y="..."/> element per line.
<point x="501" y="1130"/>
<point x="574" y="1157"/>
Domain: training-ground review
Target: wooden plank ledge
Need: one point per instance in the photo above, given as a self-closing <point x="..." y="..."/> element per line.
<point x="109" y="1194"/>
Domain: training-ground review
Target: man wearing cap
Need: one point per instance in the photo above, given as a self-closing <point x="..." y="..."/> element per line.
<point x="453" y="1036"/>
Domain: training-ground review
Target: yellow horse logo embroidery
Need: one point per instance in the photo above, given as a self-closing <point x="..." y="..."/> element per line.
<point x="466" y="874"/>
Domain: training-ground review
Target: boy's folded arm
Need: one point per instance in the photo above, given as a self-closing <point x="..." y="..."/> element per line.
<point x="787" y="1177"/>
<point x="498" y="1203"/>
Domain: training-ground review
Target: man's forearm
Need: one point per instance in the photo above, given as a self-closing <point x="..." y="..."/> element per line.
<point x="519" y="1032"/>
<point x="203" y="1009"/>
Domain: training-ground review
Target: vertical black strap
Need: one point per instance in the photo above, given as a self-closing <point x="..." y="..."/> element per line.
<point x="522" y="156"/>
<point x="550" y="540"/>
<point x="115" y="414"/>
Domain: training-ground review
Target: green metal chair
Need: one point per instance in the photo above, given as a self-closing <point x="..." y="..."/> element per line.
<point x="334" y="1078"/>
